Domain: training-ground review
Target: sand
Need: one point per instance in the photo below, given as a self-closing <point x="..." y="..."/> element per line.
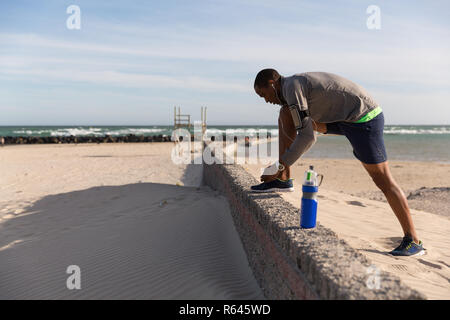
<point x="425" y="184"/>
<point x="140" y="227"/>
<point x="371" y="227"/>
<point x="136" y="225"/>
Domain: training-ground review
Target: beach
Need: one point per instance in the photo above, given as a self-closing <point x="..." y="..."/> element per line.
<point x="136" y="225"/>
<point x="139" y="226"/>
<point x="98" y="200"/>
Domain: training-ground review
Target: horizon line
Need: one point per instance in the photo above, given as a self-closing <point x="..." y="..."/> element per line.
<point x="171" y="125"/>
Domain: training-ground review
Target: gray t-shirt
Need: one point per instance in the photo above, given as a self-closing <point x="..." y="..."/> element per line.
<point x="325" y="97"/>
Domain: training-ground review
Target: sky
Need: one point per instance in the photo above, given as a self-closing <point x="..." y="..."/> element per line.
<point x="131" y="61"/>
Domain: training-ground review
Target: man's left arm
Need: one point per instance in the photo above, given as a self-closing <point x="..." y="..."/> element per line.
<point x="303" y="141"/>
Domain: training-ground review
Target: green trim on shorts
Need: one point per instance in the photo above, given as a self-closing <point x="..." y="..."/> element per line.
<point x="370" y="115"/>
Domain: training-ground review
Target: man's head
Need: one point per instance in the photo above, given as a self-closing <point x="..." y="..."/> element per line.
<point x="267" y="85"/>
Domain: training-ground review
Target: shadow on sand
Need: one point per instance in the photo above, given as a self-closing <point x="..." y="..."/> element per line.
<point x="136" y="241"/>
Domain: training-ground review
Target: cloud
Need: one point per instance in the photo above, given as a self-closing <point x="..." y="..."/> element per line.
<point x="134" y="80"/>
<point x="389" y="65"/>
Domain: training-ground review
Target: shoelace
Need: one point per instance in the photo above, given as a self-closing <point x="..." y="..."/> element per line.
<point x="406" y="243"/>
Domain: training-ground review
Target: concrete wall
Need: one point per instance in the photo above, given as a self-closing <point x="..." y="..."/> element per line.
<point x="294" y="263"/>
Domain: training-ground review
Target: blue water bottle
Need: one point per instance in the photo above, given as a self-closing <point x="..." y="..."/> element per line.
<point x="308" y="211"/>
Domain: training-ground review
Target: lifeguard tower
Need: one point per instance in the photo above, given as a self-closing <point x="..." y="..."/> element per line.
<point x="184" y="120"/>
<point x="181" y="120"/>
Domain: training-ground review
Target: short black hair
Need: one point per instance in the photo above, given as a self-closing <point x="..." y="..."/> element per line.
<point x="263" y="77"/>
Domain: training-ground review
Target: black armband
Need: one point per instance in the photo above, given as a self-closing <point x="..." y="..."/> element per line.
<point x="298" y="116"/>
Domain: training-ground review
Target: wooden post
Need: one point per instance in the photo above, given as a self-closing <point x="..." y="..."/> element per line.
<point x="203" y="120"/>
<point x="205" y="116"/>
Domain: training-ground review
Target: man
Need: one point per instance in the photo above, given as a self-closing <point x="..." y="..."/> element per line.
<point x="331" y="104"/>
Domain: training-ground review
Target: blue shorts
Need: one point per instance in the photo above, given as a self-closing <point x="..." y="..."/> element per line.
<point x="366" y="138"/>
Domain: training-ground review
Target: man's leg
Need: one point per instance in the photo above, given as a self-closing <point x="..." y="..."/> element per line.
<point x="286" y="136"/>
<point x="382" y="177"/>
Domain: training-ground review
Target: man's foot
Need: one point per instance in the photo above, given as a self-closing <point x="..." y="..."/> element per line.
<point x="408" y="248"/>
<point x="276" y="185"/>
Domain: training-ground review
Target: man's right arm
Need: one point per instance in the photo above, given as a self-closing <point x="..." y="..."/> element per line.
<point x="294" y="93"/>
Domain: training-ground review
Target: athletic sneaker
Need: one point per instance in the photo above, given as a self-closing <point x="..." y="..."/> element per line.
<point x="408" y="248"/>
<point x="274" y="186"/>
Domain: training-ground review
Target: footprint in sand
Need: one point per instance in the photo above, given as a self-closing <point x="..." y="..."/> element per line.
<point x="433" y="265"/>
<point x="356" y="203"/>
<point x="399" y="267"/>
<point x="444" y="263"/>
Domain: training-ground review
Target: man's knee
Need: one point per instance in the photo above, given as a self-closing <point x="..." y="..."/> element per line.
<point x="382" y="181"/>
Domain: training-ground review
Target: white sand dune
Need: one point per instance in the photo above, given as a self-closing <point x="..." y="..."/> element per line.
<point x="131" y="240"/>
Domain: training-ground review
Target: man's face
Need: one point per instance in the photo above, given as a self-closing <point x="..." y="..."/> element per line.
<point x="268" y="93"/>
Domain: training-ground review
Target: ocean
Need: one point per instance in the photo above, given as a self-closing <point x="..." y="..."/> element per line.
<point x="403" y="142"/>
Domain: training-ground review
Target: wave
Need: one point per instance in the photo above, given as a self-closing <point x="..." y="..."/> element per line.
<point x="61" y="132"/>
<point x="88" y="131"/>
<point x="241" y="131"/>
<point x="387" y="130"/>
<point x="400" y="130"/>
<point x="76" y="132"/>
<point x="133" y="131"/>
